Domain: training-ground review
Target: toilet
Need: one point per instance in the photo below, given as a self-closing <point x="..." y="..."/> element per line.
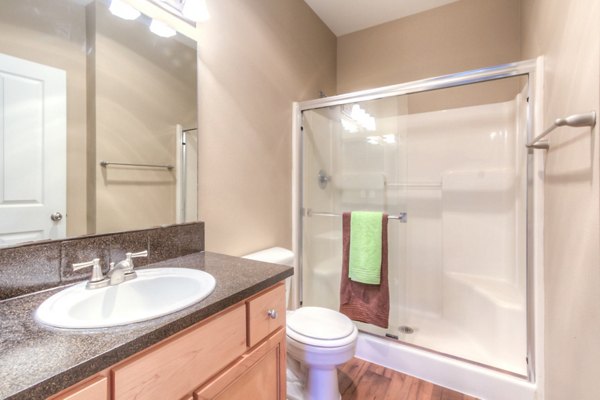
<point x="318" y="340"/>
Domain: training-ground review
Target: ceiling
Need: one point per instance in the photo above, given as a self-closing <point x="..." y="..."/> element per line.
<point x="346" y="16"/>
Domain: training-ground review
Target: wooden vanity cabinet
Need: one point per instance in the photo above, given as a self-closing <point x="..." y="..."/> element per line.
<point x="238" y="353"/>
<point x="260" y="372"/>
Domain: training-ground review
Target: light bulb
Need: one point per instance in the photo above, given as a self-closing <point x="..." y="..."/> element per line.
<point x="123" y="10"/>
<point x="161" y="29"/>
<point x="195" y="10"/>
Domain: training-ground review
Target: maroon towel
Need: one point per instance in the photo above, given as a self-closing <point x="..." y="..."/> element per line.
<point x="359" y="301"/>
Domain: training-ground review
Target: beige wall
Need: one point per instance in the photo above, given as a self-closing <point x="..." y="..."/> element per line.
<point x="457" y="37"/>
<point x="567" y="33"/>
<point x="256" y="58"/>
<point x="144" y="86"/>
<point x="36" y="37"/>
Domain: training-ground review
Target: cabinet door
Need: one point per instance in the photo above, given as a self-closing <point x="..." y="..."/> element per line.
<point x="259" y="374"/>
<point x="96" y="389"/>
<point x="175" y="368"/>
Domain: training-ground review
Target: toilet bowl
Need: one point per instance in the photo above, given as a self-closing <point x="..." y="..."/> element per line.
<point x="320" y="339"/>
<point x="317" y="338"/>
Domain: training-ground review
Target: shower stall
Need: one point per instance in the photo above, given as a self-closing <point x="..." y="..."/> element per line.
<point x="446" y="159"/>
<point x="186" y="169"/>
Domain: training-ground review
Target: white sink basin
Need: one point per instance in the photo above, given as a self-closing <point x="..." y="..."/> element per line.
<point x="154" y="293"/>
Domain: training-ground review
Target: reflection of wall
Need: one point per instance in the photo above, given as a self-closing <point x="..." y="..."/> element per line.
<point x="460" y="36"/>
<point x="144" y="86"/>
<point x="256" y="58"/>
<point x="567" y="33"/>
<point x="33" y="37"/>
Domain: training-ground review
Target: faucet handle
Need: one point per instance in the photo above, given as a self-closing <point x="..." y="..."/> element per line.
<point x="138" y="254"/>
<point x="129" y="256"/>
<point x="97" y="275"/>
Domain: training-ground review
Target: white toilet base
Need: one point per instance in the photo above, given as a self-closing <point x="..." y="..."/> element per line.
<point x="320" y="364"/>
<point x="322" y="384"/>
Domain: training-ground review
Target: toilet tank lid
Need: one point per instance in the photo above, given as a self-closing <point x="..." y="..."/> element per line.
<point x="276" y="255"/>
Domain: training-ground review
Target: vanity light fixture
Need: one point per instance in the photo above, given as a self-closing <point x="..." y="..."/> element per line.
<point x="123" y="10"/>
<point x="191" y="11"/>
<point x="161" y="29"/>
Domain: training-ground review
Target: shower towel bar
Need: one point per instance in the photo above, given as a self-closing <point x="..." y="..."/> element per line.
<point x="402" y="217"/>
<point x="106" y="164"/>
<point x="575" y="120"/>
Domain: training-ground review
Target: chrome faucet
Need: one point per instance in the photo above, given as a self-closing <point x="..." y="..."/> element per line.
<point x="119" y="273"/>
<point x="123" y="270"/>
<point x="98" y="280"/>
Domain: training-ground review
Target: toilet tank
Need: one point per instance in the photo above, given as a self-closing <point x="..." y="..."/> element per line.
<point x="276" y="255"/>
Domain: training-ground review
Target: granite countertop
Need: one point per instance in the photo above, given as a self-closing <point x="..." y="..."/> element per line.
<point x="37" y="361"/>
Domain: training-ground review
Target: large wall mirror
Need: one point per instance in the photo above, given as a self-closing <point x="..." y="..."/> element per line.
<point x="98" y="117"/>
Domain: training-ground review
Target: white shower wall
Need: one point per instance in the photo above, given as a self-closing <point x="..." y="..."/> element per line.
<point x="457" y="267"/>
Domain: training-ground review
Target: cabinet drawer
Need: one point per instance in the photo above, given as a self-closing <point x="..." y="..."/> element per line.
<point x="96" y="389"/>
<point x="260" y="323"/>
<point x="175" y="368"/>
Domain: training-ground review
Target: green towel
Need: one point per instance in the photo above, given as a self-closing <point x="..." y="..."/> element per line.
<point x="365" y="247"/>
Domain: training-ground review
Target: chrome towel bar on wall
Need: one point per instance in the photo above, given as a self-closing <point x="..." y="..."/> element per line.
<point x="106" y="164"/>
<point x="575" y="120"/>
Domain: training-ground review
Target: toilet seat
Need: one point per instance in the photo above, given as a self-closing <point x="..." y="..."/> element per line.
<point x="321" y="327"/>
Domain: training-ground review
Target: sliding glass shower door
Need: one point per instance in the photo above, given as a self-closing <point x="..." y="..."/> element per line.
<point x="452" y="164"/>
<point x="354" y="160"/>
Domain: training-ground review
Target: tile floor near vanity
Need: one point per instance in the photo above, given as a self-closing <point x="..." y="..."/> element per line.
<point x="361" y="380"/>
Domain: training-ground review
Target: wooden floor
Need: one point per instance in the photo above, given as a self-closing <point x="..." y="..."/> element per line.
<point x="361" y="380"/>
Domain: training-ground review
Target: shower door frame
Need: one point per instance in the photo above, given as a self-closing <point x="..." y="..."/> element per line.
<point x="527" y="68"/>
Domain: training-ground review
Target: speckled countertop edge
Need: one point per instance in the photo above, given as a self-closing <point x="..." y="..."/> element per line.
<point x="38" y="361"/>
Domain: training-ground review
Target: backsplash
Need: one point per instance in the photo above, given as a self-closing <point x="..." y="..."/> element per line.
<point x="42" y="265"/>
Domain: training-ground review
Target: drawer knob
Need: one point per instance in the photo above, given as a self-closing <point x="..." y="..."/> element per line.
<point x="272" y="313"/>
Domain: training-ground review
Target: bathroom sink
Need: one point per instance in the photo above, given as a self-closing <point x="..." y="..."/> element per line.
<point x="154" y="293"/>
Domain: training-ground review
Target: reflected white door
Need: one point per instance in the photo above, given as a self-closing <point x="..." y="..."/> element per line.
<point x="32" y="151"/>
